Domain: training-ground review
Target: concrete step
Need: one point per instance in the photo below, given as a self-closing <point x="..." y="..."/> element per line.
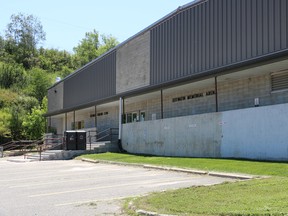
<point x="99" y="147"/>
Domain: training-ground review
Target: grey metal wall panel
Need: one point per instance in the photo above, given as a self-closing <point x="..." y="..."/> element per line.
<point x="216" y="33"/>
<point x="94" y="82"/>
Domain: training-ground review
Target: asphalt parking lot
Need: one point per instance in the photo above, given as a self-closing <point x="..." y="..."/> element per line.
<point x="80" y="188"/>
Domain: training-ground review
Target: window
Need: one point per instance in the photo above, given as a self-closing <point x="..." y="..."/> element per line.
<point x="142" y="116"/>
<point x="279" y="81"/>
<point x="78" y="125"/>
<point x="128" y="117"/>
<point x="134" y="117"/>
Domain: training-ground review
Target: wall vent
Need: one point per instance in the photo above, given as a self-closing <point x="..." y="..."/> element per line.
<point x="279" y="81"/>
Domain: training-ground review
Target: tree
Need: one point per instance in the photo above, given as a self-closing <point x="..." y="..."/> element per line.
<point x="34" y="124"/>
<point x="92" y="47"/>
<point x="53" y="60"/>
<point x="2" y="46"/>
<point x="38" y="83"/>
<point x="23" y="34"/>
<point x="11" y="75"/>
<point x="15" y="123"/>
<point x="5" y="117"/>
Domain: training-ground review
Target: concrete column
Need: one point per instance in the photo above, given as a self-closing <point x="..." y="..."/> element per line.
<point x="95" y="117"/>
<point x="121" y="108"/>
<point x="65" y="121"/>
<point x="74" y="118"/>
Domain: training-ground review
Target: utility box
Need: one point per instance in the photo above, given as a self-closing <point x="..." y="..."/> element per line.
<point x="70" y="140"/>
<point x="81" y="140"/>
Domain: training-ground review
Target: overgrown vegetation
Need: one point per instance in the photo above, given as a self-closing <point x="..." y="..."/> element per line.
<point x="27" y="70"/>
<point x="266" y="196"/>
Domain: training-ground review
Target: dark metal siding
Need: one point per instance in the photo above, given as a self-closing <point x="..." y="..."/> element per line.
<point x="94" y="82"/>
<point x="217" y="33"/>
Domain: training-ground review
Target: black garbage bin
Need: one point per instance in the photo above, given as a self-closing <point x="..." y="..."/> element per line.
<point x="81" y="140"/>
<point x="70" y="140"/>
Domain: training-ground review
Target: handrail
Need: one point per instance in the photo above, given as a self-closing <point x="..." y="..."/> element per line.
<point x="45" y="146"/>
<point x="102" y="135"/>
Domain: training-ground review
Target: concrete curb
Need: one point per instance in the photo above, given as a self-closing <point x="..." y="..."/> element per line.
<point x="147" y="213"/>
<point x="197" y="172"/>
<point x="18" y="160"/>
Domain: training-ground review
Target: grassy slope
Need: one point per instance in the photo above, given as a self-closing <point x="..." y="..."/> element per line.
<point x="253" y="197"/>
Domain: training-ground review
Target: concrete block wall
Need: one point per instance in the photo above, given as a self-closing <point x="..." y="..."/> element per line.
<point x="151" y="106"/>
<point x="108" y="121"/>
<point x="103" y="122"/>
<point x="58" y="124"/>
<point x="239" y="94"/>
<point x="133" y="64"/>
<point x="55" y="97"/>
<point x="205" y="104"/>
<point x="252" y="133"/>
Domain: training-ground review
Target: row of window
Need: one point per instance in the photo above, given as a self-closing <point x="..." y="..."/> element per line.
<point x="134" y="117"/>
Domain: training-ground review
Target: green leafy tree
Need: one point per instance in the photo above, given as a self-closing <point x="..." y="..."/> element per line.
<point x="23" y="34"/>
<point x="7" y="98"/>
<point x="5" y="117"/>
<point x="53" y="60"/>
<point x="34" y="122"/>
<point x="65" y="71"/>
<point x="38" y="83"/>
<point x="92" y="47"/>
<point x="2" y="46"/>
<point x="15" y="123"/>
<point x="108" y="43"/>
<point x="11" y="75"/>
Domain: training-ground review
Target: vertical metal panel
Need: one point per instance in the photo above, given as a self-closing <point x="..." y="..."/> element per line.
<point x="284" y="26"/>
<point x="215" y="33"/>
<point x="94" y="82"/>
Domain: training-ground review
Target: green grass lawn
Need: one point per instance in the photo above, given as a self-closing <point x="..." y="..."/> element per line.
<point x="267" y="196"/>
<point x="206" y="164"/>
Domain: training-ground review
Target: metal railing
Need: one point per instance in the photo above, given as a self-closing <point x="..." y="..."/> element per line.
<point x="107" y="134"/>
<point x="16" y="147"/>
<point x="24" y="147"/>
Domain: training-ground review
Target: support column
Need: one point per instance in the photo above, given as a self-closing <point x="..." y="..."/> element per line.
<point x="161" y="92"/>
<point x="121" y="108"/>
<point x="46" y="124"/>
<point x="65" y="121"/>
<point x="74" y="118"/>
<point x="216" y="94"/>
<point x="95" y="117"/>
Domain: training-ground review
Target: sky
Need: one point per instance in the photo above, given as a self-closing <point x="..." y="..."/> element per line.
<point x="66" y="21"/>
